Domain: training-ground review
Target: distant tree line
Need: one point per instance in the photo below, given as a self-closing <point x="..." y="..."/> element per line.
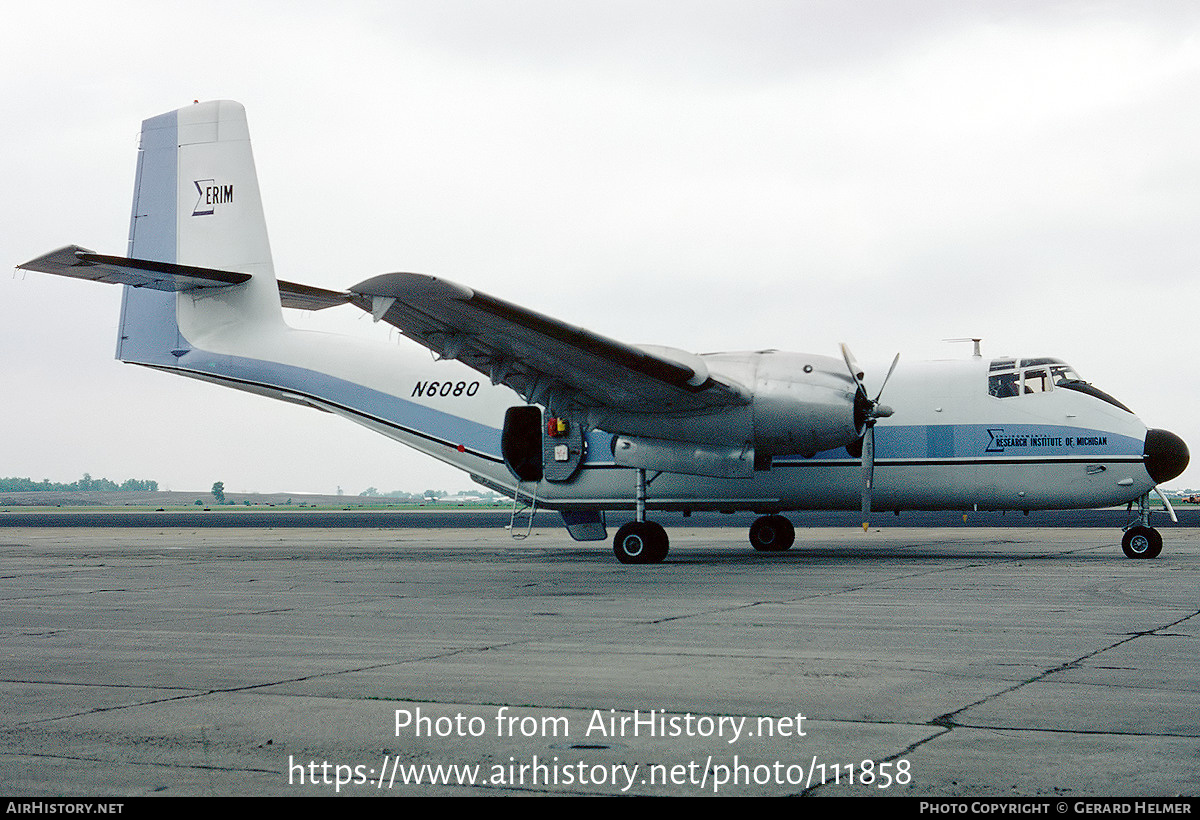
<point x="372" y="492"/>
<point x="25" y="485"/>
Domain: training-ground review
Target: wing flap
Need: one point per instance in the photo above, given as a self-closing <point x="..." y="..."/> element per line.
<point x="546" y="360"/>
<point x="307" y="297"/>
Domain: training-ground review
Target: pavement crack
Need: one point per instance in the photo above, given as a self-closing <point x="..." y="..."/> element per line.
<point x="951" y="718"/>
<point x="948" y="722"/>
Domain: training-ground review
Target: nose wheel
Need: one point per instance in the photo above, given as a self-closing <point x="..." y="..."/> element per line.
<point x="1140" y="539"/>
<point x="1141" y="542"/>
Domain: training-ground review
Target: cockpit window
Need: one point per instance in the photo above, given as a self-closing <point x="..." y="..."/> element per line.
<point x="1063" y="373"/>
<point x="1007" y="379"/>
<point x="1037" y="380"/>
<point x="1004" y="385"/>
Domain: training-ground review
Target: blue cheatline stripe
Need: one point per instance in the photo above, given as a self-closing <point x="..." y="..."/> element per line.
<point x="1000" y="442"/>
<point x="960" y="444"/>
<point x="405" y="416"/>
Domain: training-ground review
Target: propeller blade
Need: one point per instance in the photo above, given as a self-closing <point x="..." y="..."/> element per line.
<point x="871" y="411"/>
<point x="868" y="474"/>
<point x="851" y="364"/>
<point x="891" y="370"/>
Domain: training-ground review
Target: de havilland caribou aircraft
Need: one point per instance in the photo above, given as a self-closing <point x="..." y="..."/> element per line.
<point x="558" y="416"/>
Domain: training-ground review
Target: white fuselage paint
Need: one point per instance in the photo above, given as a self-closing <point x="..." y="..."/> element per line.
<point x="949" y="444"/>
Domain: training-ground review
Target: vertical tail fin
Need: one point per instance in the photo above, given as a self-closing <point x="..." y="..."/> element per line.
<point x="196" y="202"/>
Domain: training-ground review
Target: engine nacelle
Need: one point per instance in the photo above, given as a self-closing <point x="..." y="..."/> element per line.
<point x="803" y="404"/>
<point x="683" y="457"/>
<point x="799" y="404"/>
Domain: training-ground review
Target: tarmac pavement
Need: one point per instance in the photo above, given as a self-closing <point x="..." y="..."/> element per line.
<point x="998" y="662"/>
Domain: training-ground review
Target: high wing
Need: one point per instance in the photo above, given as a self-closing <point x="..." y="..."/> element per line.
<point x="546" y="361"/>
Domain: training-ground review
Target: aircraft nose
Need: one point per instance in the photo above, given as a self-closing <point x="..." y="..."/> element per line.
<point x="1166" y="455"/>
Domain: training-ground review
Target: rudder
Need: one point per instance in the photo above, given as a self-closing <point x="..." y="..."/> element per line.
<point x="197" y="202"/>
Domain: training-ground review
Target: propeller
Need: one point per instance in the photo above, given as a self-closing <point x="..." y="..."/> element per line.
<point x="867" y="411"/>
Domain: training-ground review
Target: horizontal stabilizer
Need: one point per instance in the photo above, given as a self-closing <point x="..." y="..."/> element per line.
<point x="80" y="263"/>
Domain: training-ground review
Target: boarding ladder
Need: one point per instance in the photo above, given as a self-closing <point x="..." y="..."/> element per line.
<point x="524" y="504"/>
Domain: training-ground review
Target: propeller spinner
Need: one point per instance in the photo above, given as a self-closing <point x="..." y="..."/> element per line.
<point x="867" y="411"/>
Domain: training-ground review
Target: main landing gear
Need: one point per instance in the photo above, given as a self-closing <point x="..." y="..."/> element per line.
<point x="772" y="533"/>
<point x="645" y="542"/>
<point x="641" y="541"/>
<point x="1140" y="539"/>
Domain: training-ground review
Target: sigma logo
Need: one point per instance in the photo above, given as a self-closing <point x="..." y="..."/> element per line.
<point x="211" y="195"/>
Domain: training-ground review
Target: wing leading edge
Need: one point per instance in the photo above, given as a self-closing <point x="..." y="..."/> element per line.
<point x="546" y="361"/>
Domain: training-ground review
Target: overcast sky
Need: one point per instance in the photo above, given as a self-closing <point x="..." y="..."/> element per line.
<point x="705" y="175"/>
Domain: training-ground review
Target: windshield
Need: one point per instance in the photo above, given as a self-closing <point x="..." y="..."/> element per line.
<point x="1011" y="378"/>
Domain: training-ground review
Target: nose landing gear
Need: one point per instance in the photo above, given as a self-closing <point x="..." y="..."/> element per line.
<point x="1141" y="542"/>
<point x="1140" y="539"/>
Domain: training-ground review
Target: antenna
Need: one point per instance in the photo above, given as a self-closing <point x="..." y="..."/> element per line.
<point x="977" y="354"/>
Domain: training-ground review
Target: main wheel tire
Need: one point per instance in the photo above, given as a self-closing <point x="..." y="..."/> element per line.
<point x="662" y="544"/>
<point x="1141" y="542"/>
<point x="772" y="533"/>
<point x="641" y="542"/>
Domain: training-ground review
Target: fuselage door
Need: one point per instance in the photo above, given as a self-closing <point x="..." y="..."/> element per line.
<point x="535" y="447"/>
<point x="521" y="442"/>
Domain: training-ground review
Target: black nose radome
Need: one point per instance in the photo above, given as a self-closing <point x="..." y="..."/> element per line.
<point x="1166" y="455"/>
